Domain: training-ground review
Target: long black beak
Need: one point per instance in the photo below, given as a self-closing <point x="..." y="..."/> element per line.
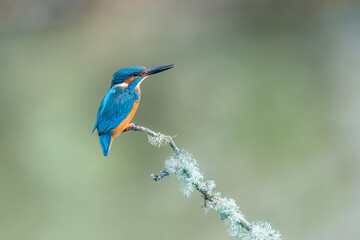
<point x="154" y="70"/>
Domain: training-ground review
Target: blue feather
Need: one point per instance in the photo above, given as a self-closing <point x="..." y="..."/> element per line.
<point x="105" y="141"/>
<point x="114" y="108"/>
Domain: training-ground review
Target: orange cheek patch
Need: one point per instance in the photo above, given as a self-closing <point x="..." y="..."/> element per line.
<point x="129" y="80"/>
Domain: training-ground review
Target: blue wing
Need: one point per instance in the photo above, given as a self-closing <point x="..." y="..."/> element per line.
<point x="114" y="108"/>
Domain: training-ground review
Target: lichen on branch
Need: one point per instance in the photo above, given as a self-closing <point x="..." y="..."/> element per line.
<point x="186" y="169"/>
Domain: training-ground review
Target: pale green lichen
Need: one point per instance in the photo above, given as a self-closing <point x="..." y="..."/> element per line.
<point x="230" y="213"/>
<point x="209" y="185"/>
<point x="159" y="140"/>
<point x="187" y="171"/>
<point x="262" y="231"/>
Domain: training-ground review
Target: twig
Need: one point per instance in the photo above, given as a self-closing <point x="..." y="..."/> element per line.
<point x="167" y="139"/>
<point x="187" y="171"/>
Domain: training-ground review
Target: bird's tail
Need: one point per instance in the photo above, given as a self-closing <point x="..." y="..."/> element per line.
<point x="105" y="142"/>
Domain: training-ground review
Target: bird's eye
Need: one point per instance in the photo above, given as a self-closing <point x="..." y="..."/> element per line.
<point x="136" y="74"/>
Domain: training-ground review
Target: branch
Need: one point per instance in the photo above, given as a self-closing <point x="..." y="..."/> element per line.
<point x="185" y="167"/>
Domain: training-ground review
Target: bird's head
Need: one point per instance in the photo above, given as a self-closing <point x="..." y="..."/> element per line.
<point x="132" y="76"/>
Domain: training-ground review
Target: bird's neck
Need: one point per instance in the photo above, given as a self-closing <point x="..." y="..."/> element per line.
<point x="136" y="82"/>
<point x="137" y="89"/>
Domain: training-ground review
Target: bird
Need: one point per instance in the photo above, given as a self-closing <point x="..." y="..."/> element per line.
<point x="120" y="103"/>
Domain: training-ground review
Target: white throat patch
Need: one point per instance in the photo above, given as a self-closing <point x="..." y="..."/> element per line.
<point x="138" y="85"/>
<point x="123" y="85"/>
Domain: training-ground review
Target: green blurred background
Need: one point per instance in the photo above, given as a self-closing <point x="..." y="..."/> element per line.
<point x="265" y="94"/>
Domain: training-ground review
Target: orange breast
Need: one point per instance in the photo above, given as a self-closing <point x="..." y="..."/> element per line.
<point x="119" y="129"/>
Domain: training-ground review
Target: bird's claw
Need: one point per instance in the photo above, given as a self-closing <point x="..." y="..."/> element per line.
<point x="130" y="125"/>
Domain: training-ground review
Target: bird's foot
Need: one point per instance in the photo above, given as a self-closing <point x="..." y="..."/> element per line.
<point x="130" y="125"/>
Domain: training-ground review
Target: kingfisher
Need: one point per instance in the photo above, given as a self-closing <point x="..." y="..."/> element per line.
<point x="120" y="103"/>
